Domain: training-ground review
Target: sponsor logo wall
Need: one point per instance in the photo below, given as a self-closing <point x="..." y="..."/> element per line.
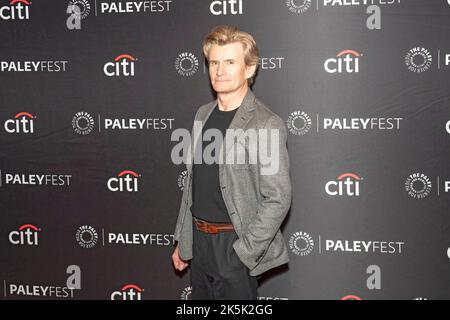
<point x="93" y="90"/>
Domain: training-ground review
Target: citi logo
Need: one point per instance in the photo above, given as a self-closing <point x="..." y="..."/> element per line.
<point x="225" y="7"/>
<point x="346" y="184"/>
<point x="123" y="65"/>
<point x="26" y="235"/>
<point x="17" y="9"/>
<point x="128" y="292"/>
<point x="126" y="181"/>
<point x="351" y="297"/>
<point x="346" y="61"/>
<point x="22" y="123"/>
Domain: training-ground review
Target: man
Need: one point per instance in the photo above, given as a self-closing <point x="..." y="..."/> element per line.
<point x="230" y="216"/>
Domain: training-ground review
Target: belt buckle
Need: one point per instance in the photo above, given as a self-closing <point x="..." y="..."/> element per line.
<point x="206" y="227"/>
<point x="211" y="229"/>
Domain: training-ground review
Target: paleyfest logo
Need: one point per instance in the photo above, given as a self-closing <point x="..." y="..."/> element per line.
<point x="86" y="236"/>
<point x="83" y="123"/>
<point x="299" y="123"/>
<point x="298" y="6"/>
<point x="418" y="185"/>
<point x="182" y="180"/>
<point x="418" y="60"/>
<point x="186" y="293"/>
<point x="301" y="243"/>
<point x="186" y="64"/>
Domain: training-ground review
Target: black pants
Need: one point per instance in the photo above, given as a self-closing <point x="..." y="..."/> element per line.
<point x="217" y="273"/>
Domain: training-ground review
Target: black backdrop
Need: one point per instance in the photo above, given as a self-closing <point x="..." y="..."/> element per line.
<point x="89" y="198"/>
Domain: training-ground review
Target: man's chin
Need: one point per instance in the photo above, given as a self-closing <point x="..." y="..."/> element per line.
<point x="220" y="89"/>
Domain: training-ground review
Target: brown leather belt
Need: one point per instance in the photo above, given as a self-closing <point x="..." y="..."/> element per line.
<point x="210" y="227"/>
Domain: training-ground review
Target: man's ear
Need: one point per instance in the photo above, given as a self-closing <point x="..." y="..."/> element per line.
<point x="250" y="71"/>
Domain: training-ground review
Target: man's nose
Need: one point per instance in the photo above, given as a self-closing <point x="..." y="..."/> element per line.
<point x="221" y="69"/>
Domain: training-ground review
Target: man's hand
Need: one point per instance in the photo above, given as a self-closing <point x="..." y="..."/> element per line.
<point x="179" y="264"/>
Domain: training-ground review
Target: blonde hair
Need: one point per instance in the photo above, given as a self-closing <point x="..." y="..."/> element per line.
<point x="223" y="35"/>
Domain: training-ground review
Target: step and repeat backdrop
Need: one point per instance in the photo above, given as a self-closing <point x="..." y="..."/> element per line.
<point x="91" y="92"/>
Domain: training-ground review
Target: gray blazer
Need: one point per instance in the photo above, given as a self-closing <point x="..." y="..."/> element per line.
<point x="257" y="204"/>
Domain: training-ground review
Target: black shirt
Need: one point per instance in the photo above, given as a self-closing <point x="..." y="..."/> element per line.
<point x="207" y="200"/>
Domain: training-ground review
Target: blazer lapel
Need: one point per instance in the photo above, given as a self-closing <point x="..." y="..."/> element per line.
<point x="243" y="115"/>
<point x="196" y="132"/>
<point x="240" y="120"/>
